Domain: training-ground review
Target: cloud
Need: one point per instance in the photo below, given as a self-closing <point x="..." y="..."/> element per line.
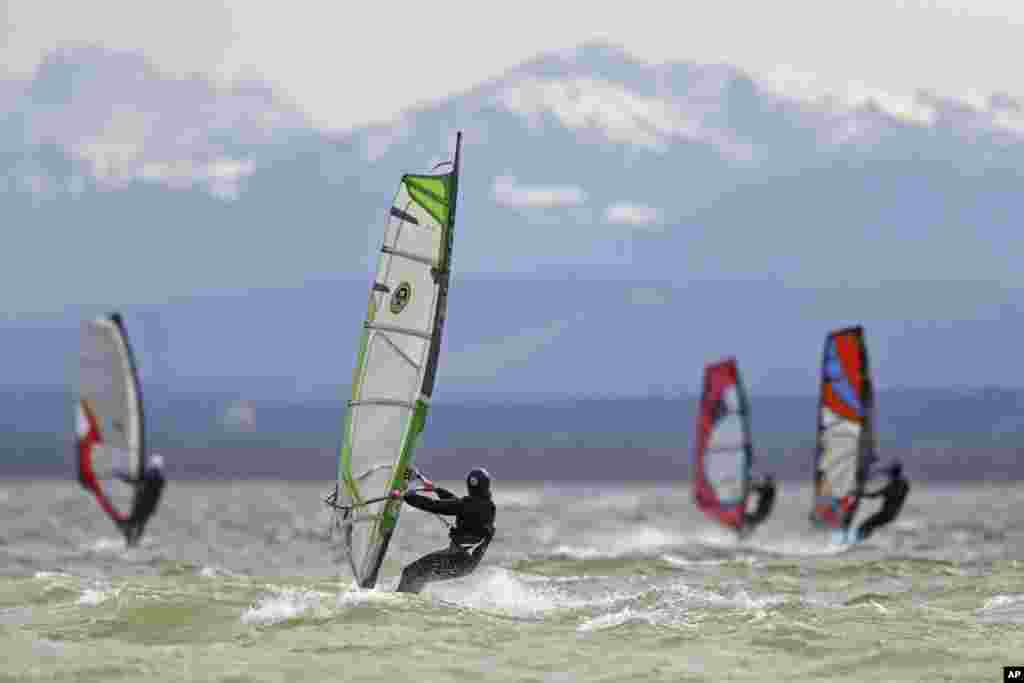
<point x="304" y="44"/>
<point x="628" y="213"/>
<point x="184" y="37"/>
<point x="222" y="177"/>
<point x="379" y="139"/>
<point x="507" y="192"/>
<point x="126" y="120"/>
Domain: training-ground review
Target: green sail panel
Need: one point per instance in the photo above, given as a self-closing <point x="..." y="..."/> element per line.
<point x="396" y="361"/>
<point x="431" y="193"/>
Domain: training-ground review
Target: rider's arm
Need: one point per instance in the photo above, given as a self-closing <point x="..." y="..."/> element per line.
<point x="450" y="506"/>
<point x="443" y="494"/>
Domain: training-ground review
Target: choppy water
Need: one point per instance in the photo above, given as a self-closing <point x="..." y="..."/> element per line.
<point x="234" y="583"/>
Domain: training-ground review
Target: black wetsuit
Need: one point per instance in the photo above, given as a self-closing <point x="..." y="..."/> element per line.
<point x="894" y="494"/>
<point x="472" y="533"/>
<point x="146" y="498"/>
<point x="765" y="503"/>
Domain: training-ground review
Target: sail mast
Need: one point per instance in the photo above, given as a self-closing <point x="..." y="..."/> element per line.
<point x="442" y="275"/>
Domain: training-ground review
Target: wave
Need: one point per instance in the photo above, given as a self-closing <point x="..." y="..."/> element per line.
<point x="286" y="604"/>
<point x="642" y="542"/>
<point x="97" y="595"/>
<point x="674" y="605"/>
<point x="501" y="590"/>
<point x="1003" y="609"/>
<point x="624" y="616"/>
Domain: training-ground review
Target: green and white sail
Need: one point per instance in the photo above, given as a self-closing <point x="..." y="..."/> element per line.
<point x="396" y="367"/>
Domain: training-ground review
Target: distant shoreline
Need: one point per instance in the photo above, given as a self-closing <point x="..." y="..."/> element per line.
<point x="538" y="465"/>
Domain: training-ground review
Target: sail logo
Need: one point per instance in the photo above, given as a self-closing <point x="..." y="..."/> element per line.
<point x="400" y="298"/>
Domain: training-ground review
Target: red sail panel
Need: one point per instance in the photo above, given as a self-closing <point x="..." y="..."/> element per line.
<point x="88" y="439"/>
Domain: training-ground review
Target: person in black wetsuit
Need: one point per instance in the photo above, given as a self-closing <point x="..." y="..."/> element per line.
<point x="148" y="490"/>
<point x="472" y="533"/>
<point x="893" y="495"/>
<point x="765" y="501"/>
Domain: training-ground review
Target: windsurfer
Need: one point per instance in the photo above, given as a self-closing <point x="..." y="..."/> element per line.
<point x="474" y="528"/>
<point x="893" y="495"/>
<point x="149" y="488"/>
<point x="765" y="490"/>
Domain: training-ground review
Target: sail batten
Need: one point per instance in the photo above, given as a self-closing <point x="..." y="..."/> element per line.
<point x="723" y="452"/>
<point x="396" y="365"/>
<point x="845" y="439"/>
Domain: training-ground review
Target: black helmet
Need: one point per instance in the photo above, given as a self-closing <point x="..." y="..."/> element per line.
<point x="478" y="481"/>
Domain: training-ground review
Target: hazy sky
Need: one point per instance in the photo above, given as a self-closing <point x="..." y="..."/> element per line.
<point x="347" y="63"/>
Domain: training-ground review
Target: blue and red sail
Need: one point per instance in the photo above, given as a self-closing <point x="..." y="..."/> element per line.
<point x="845" y="440"/>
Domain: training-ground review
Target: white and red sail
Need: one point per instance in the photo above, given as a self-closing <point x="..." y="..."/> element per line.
<point x="723" y="452"/>
<point x="109" y="418"/>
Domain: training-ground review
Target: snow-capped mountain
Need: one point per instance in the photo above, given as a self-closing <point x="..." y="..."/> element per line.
<point x="120" y="185"/>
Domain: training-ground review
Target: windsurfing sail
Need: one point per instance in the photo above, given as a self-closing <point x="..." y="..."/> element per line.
<point x="396" y="365"/>
<point x="845" y="445"/>
<point x="109" y="421"/>
<point x="723" y="453"/>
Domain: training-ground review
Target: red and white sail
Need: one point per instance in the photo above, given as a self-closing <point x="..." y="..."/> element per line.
<point x="109" y="419"/>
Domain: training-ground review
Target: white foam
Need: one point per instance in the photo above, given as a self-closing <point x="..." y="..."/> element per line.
<point x="285" y="605"/>
<point x="105" y="545"/>
<point x="362" y="596"/>
<point x="693" y="597"/>
<point x="501" y="590"/>
<point x="797" y="546"/>
<point x="541" y="578"/>
<point x="291" y="603"/>
<point x="95" y="596"/>
<point x="51" y="575"/>
<point x="1003" y="609"/>
<point x="1001" y="601"/>
<point x="613" y="619"/>
<point x="545" y="533"/>
<point x="523" y="499"/>
<point x="683" y="562"/>
<point x="579" y="553"/>
<point x="641" y="541"/>
<point x="216" y="573"/>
